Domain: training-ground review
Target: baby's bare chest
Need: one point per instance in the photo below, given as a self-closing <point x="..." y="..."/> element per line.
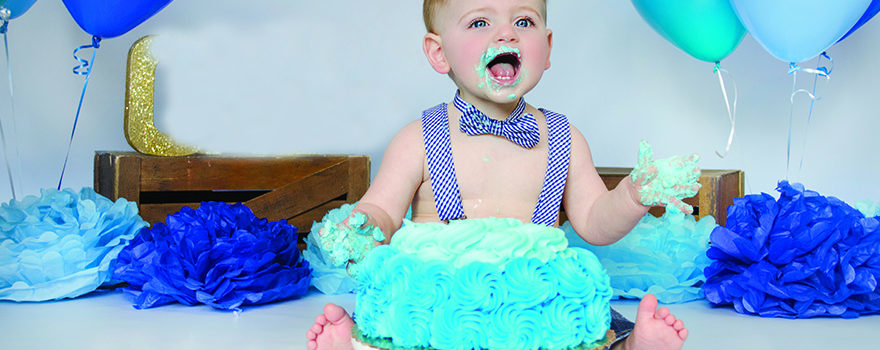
<point x="492" y="169"/>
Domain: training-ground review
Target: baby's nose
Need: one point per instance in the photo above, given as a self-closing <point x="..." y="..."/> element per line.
<point x="506" y="34"/>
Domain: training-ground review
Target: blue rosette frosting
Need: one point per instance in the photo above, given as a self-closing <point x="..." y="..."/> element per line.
<point x="62" y="243"/>
<point x="663" y="256"/>
<point x="450" y="287"/>
<point x="803" y="255"/>
<point x="219" y="255"/>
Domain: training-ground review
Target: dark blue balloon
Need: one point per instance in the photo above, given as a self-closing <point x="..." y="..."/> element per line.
<point x="872" y="10"/>
<point x="112" y="18"/>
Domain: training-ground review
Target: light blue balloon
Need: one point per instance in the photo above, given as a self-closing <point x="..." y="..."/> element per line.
<point x="798" y="30"/>
<point x="17" y="7"/>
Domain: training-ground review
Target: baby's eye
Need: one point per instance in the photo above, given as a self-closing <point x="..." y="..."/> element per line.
<point x="524" y="22"/>
<point x="478" y="23"/>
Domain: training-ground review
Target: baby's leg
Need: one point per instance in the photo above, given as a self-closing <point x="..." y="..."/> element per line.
<point x="331" y="331"/>
<point x="655" y="329"/>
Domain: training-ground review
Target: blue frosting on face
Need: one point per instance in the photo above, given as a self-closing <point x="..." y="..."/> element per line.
<point x="528" y="304"/>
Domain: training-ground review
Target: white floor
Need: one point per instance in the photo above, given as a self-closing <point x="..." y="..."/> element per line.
<point x="107" y="321"/>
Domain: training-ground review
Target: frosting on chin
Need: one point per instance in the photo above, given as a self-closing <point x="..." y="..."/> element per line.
<point x="482" y="283"/>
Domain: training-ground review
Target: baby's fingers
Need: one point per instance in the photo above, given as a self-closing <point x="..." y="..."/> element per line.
<point x="686" y="191"/>
<point x="681" y="206"/>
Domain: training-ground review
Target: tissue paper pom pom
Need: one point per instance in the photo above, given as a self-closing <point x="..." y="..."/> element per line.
<point x="219" y="254"/>
<point x="868" y="207"/>
<point x="327" y="277"/>
<point x="663" y="256"/>
<point x="802" y="256"/>
<point x="61" y="244"/>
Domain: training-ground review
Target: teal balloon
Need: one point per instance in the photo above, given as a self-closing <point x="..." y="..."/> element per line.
<point x="798" y="30"/>
<point x="17" y="7"/>
<point x="706" y="29"/>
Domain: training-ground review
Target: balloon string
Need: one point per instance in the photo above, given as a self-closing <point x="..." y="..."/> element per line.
<point x="731" y="113"/>
<point x="2" y="131"/>
<point x="793" y="68"/>
<point x="87" y="65"/>
<point x="827" y="72"/>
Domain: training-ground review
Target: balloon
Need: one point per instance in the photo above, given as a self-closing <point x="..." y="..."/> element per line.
<point x="112" y="18"/>
<point x="17" y="7"/>
<point x="798" y="30"/>
<point x="706" y="29"/>
<point x="872" y="10"/>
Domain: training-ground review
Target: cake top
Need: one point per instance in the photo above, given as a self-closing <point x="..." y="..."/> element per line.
<point x="491" y="240"/>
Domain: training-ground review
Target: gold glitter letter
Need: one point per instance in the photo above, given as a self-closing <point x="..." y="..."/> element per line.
<point x="140" y="131"/>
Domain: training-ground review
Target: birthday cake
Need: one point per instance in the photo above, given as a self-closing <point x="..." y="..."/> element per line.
<point x="481" y="284"/>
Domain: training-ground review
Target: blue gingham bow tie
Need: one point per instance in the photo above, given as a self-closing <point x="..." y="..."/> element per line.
<point x="519" y="128"/>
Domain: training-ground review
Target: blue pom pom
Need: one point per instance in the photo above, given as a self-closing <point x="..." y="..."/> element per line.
<point x="219" y="255"/>
<point x="62" y="244"/>
<point x="327" y="277"/>
<point x="801" y="256"/>
<point x="663" y="256"/>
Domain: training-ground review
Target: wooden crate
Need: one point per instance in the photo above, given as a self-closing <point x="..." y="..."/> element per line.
<point x="299" y="189"/>
<point x="719" y="188"/>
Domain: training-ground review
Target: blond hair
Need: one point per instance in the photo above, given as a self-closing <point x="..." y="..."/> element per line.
<point x="430" y="8"/>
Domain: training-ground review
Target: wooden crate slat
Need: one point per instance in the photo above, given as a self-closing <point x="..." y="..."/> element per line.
<point x="117" y="177"/>
<point x="303" y="194"/>
<point x="299" y="189"/>
<point x="154" y="213"/>
<point x="218" y="173"/>
<point x="359" y="178"/>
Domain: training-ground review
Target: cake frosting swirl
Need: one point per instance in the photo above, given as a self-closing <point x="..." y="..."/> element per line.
<point x="482" y="284"/>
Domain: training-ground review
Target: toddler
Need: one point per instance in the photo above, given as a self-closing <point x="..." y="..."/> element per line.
<point x="488" y="153"/>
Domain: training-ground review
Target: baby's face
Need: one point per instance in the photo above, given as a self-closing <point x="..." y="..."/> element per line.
<point x="497" y="50"/>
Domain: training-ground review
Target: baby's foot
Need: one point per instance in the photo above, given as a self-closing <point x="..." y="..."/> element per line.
<point x="655" y="329"/>
<point x="331" y="331"/>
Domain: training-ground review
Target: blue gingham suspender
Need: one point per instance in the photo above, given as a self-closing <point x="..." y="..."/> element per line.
<point x="438" y="149"/>
<point x="547" y="210"/>
<point x="447" y="198"/>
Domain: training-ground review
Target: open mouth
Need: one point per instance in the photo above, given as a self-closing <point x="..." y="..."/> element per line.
<point x="504" y="68"/>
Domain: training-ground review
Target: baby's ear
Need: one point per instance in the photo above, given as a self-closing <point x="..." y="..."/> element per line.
<point x="549" y="47"/>
<point x="433" y="47"/>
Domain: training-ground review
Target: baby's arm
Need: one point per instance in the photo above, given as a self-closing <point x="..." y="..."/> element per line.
<point x="599" y="216"/>
<point x="380" y="212"/>
<point x="602" y="217"/>
<point x="400" y="174"/>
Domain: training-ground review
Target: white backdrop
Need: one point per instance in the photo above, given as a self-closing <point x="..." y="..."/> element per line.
<point x="336" y="76"/>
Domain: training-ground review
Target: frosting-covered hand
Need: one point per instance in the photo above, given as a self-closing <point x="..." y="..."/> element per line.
<point x="349" y="240"/>
<point x="666" y="181"/>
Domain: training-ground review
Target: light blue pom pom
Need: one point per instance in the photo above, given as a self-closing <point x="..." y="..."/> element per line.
<point x="868" y="207"/>
<point x="663" y="256"/>
<point x="327" y="277"/>
<point x="62" y="243"/>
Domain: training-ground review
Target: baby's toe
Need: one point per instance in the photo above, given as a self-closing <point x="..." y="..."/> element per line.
<point x="321" y="319"/>
<point x="678" y="325"/>
<point x="661" y="313"/>
<point x="683" y="334"/>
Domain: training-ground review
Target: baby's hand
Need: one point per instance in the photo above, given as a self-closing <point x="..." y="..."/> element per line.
<point x="349" y="240"/>
<point x="666" y="181"/>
